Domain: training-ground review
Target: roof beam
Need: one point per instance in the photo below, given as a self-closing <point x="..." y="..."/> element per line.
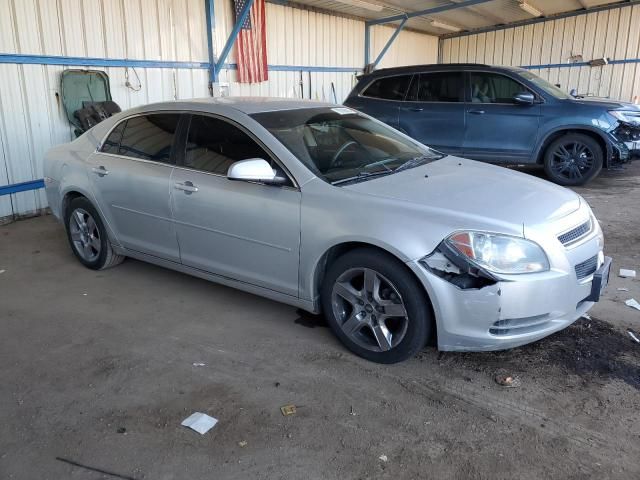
<point x="428" y="11"/>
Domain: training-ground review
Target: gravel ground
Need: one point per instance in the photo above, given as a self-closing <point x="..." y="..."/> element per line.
<point x="96" y="374"/>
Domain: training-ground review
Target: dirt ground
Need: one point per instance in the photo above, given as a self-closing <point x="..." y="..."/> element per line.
<point x="97" y="372"/>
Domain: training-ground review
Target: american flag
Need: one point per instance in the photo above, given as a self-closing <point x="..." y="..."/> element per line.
<point x="252" y="44"/>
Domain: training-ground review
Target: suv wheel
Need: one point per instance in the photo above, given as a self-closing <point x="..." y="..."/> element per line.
<point x="376" y="307"/>
<point x="573" y="159"/>
<point x="88" y="237"/>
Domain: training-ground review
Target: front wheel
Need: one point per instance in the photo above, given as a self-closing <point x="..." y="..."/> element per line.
<point x="573" y="159"/>
<point x="376" y="307"/>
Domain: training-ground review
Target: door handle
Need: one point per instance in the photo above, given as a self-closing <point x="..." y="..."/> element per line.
<point x="415" y="109"/>
<point x="100" y="171"/>
<point x="186" y="187"/>
<point x="476" y="112"/>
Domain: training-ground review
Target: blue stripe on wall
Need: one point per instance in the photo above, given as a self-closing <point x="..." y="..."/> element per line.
<point x="21" y="187"/>
<point x="125" y="62"/>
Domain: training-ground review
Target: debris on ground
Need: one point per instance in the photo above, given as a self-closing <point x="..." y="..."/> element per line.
<point x="623" y="289"/>
<point x="506" y="380"/>
<point x="352" y="412"/>
<point x="2" y="271"/>
<point x="625" y="273"/>
<point x="586" y="316"/>
<point x="200" y="422"/>
<point x="198" y="364"/>
<point x="383" y="458"/>
<point x="122" y="430"/>
<point x="633" y="303"/>
<point x="288" y="410"/>
<point x="631" y="334"/>
<point x="243" y="443"/>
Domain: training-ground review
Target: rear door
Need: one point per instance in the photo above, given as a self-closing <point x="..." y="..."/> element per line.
<point x="130" y="175"/>
<point x="498" y="129"/>
<point x="382" y="98"/>
<point x="434" y="110"/>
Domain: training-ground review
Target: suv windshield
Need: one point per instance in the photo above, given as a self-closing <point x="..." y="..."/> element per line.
<point x="341" y="145"/>
<point x="543" y="84"/>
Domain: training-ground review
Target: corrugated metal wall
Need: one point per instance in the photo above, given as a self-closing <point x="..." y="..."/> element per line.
<point x="32" y="119"/>
<point x="613" y="33"/>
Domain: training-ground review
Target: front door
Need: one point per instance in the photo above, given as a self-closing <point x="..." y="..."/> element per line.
<point x="240" y="230"/>
<point x="497" y="129"/>
<point x="130" y="177"/>
<point x="433" y="112"/>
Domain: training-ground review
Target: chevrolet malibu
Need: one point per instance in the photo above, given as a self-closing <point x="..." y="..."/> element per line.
<point x="327" y="209"/>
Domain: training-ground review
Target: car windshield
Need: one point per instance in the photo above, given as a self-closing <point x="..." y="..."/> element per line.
<point x="341" y="145"/>
<point x="543" y="84"/>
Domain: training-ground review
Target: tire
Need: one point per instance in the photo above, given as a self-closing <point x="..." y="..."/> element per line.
<point x="88" y="237"/>
<point x="387" y="323"/>
<point x="573" y="159"/>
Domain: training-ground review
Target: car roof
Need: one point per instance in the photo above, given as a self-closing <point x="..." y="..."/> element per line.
<point x="248" y="105"/>
<point x="439" y="67"/>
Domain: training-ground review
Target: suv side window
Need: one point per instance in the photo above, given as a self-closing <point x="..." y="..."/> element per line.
<point x="150" y="137"/>
<point x="214" y="144"/>
<point x="112" y="143"/>
<point x="437" y="87"/>
<point x="388" y="88"/>
<point x="493" y="88"/>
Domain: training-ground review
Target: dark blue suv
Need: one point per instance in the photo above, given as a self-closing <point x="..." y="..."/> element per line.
<point x="502" y="115"/>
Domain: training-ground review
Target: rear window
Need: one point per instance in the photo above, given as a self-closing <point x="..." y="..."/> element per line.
<point x="150" y="137"/>
<point x="388" y="88"/>
<point x="437" y="87"/>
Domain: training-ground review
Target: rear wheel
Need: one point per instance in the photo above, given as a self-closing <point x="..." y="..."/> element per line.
<point x="376" y="307"/>
<point x="88" y="237"/>
<point x="573" y="159"/>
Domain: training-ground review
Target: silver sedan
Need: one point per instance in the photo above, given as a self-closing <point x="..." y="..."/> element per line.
<point x="322" y="207"/>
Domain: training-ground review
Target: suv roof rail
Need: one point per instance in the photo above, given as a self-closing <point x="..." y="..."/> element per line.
<point x="427" y="65"/>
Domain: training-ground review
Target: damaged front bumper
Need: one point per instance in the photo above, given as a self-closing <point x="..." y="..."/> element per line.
<point x="516" y="310"/>
<point x="625" y="142"/>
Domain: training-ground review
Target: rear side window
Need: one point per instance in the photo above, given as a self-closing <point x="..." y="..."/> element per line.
<point x="493" y="88"/>
<point x="437" y="87"/>
<point x="150" y="137"/>
<point x="389" y="88"/>
<point x="112" y="143"/>
<point x="213" y="145"/>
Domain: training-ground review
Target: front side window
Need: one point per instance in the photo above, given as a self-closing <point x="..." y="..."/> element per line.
<point x="150" y="137"/>
<point x="213" y="145"/>
<point x="389" y="88"/>
<point x="493" y="88"/>
<point x="437" y="87"/>
<point x="340" y="144"/>
<point x="543" y="84"/>
<point x="112" y="143"/>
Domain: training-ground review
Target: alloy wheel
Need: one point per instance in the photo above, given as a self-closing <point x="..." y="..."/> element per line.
<point x="572" y="160"/>
<point x="369" y="309"/>
<point x="85" y="235"/>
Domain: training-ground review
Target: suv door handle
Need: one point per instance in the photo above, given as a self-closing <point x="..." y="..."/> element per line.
<point x="415" y="109"/>
<point x="186" y="187"/>
<point x="476" y="112"/>
<point x="100" y="171"/>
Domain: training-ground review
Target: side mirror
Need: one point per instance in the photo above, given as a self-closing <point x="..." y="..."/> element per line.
<point x="524" y="98"/>
<point x="254" y="170"/>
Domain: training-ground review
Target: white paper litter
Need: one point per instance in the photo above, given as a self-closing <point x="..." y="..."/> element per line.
<point x="383" y="458"/>
<point x="198" y="364"/>
<point x="2" y="271"/>
<point x="627" y="273"/>
<point x="623" y="289"/>
<point x="633" y="303"/>
<point x="633" y="336"/>
<point x="200" y="422"/>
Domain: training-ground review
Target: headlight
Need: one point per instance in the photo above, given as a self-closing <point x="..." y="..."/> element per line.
<point x="629" y="116"/>
<point x="499" y="253"/>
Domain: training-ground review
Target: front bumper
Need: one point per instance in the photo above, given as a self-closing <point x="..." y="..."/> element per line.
<point x="508" y="314"/>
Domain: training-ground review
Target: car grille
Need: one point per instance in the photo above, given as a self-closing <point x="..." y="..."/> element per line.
<point x="575" y="234"/>
<point x="516" y="326"/>
<point x="586" y="268"/>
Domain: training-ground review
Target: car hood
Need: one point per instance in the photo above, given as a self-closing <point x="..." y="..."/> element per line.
<point x="607" y="103"/>
<point x="486" y="193"/>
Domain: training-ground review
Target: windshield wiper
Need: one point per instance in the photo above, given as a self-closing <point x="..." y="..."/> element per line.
<point x="414" y="162"/>
<point x="363" y="175"/>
